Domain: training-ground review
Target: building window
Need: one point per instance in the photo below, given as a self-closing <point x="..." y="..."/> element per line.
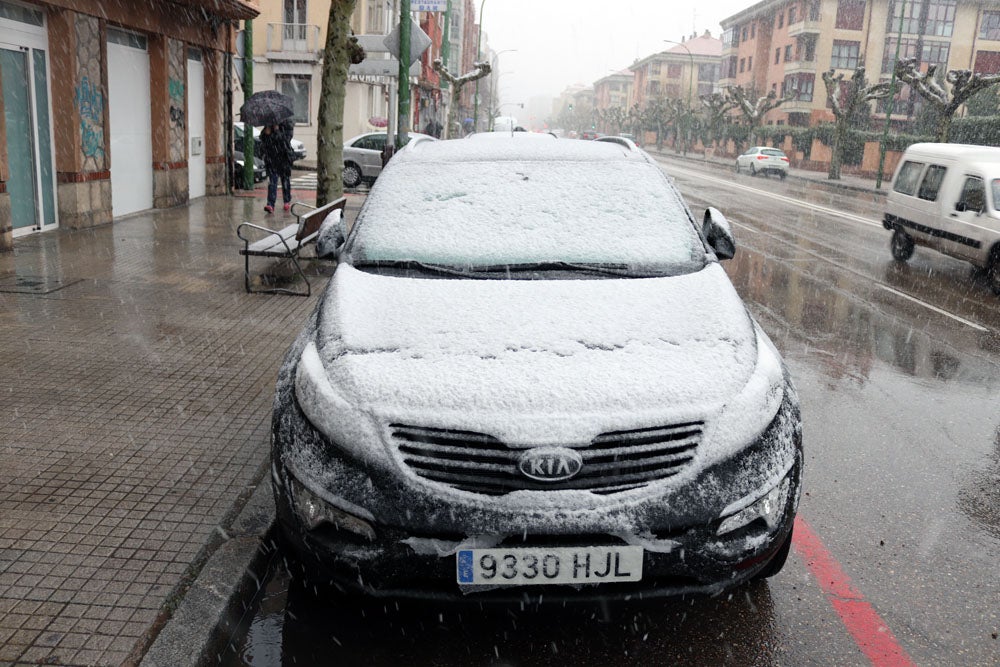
<point x="376" y="17"/>
<point x="744" y="33"/>
<point x="800" y="86"/>
<point x="743" y="63"/>
<point x="673" y="71"/>
<point x="990" y="28"/>
<point x="298" y="88"/>
<point x="850" y="14"/>
<point x="845" y="54"/>
<point x="940" y="18"/>
<point x="907" y="49"/>
<point x="730" y="38"/>
<point x="908" y="13"/>
<point x="672" y="90"/>
<point x="788" y="53"/>
<point x="654" y="69"/>
<point x="749" y="63"/>
<point x="792" y="14"/>
<point x="935" y="52"/>
<point x="777" y="56"/>
<point x="781" y="20"/>
<point x="753" y="31"/>
<point x="731" y="67"/>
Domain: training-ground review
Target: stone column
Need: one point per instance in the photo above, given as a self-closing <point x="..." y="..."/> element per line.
<point x="215" y="142"/>
<point x="79" y="91"/>
<point x="168" y="79"/>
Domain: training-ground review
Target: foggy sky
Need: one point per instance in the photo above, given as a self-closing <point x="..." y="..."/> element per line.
<point x="560" y="43"/>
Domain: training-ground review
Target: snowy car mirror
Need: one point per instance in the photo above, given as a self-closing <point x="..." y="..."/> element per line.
<point x="332" y="234"/>
<point x="718" y="233"/>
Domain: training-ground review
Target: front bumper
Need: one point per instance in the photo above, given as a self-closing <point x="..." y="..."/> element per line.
<point x="416" y="559"/>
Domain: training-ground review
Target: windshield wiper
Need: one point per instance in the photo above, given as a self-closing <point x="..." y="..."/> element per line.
<point x="414" y="265"/>
<point x="558" y="265"/>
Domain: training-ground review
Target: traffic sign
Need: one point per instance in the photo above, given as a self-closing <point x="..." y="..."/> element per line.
<point x="419" y="42"/>
<point x="429" y="5"/>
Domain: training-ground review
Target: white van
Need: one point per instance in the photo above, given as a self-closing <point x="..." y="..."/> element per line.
<point x="947" y="197"/>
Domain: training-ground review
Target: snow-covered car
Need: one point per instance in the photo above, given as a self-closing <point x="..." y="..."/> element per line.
<point x="363" y="157"/>
<point x="763" y="160"/>
<point x="518" y="387"/>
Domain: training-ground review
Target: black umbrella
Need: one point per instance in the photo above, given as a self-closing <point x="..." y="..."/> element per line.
<point x="268" y="107"/>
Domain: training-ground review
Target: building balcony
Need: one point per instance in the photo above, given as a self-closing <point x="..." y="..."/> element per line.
<point x="800" y="66"/>
<point x="797" y="106"/>
<point x="806" y="27"/>
<point x="297" y="42"/>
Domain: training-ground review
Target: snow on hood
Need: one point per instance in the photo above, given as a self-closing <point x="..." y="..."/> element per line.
<point x="535" y="362"/>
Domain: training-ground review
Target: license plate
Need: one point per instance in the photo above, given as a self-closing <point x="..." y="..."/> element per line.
<point x="540" y="565"/>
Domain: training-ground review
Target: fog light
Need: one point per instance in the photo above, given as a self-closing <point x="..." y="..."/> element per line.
<point x="315" y="511"/>
<point x="768" y="507"/>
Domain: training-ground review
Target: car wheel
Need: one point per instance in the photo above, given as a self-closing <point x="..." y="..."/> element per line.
<point x="777" y="561"/>
<point x="737" y="166"/>
<point x="993" y="271"/>
<point x="753" y="170"/>
<point x="352" y="175"/>
<point x="782" y="174"/>
<point x="901" y="245"/>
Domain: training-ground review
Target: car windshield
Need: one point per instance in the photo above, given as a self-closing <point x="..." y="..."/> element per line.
<point x="516" y="214"/>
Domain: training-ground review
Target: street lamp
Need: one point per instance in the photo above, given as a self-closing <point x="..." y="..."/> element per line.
<point x="690" y="84"/>
<point x="479" y="57"/>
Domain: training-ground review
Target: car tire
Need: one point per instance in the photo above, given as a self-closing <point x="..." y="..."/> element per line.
<point x="351" y="175"/>
<point x="783" y="174"/>
<point x="777" y="561"/>
<point x="753" y="170"/>
<point x="737" y="166"/>
<point x="902" y="246"/>
<point x="993" y="271"/>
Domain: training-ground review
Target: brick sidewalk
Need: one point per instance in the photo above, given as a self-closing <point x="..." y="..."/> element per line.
<point x="137" y="386"/>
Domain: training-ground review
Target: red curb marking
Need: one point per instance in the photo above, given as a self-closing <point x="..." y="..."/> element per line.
<point x="870" y="632"/>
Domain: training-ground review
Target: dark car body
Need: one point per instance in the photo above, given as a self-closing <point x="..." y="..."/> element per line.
<point x="547" y="428"/>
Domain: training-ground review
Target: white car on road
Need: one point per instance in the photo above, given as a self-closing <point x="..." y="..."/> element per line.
<point x="762" y="160"/>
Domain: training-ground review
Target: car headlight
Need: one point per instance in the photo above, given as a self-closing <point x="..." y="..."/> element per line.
<point x="769" y="507"/>
<point x="314" y="510"/>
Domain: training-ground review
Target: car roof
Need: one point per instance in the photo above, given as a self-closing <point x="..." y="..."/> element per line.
<point x="984" y="154"/>
<point x="519" y="146"/>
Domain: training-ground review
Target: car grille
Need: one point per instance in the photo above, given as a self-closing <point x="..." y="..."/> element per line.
<point x="612" y="462"/>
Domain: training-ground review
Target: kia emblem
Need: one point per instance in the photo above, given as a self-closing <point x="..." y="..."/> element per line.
<point x="550" y="464"/>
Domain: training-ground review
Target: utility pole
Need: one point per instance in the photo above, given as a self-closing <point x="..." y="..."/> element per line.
<point x="479" y="57"/>
<point x="248" y="158"/>
<point x="892" y="101"/>
<point x="405" y="26"/>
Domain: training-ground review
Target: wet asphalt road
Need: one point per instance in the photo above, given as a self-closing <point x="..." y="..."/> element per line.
<point x="898" y="371"/>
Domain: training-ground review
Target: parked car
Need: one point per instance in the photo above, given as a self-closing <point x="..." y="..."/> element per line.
<point x="363" y="157"/>
<point x="590" y="135"/>
<point x="298" y="148"/>
<point x="763" y="160"/>
<point x="621" y="140"/>
<point x="259" y="173"/>
<point x="947" y="197"/>
<point x="516" y="387"/>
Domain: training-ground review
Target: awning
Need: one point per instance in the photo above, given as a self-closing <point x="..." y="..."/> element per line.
<point x="229" y="9"/>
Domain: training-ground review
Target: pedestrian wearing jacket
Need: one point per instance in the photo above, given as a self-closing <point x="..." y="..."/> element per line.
<point x="276" y="150"/>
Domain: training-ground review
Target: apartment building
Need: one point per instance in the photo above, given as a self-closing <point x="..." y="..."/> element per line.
<point x="109" y="108"/>
<point x="687" y="70"/>
<point x="614" y="90"/>
<point x="784" y="46"/>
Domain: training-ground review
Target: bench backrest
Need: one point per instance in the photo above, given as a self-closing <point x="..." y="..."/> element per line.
<point x="309" y="222"/>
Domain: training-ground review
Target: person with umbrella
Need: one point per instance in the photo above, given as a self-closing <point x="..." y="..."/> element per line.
<point x="274" y="111"/>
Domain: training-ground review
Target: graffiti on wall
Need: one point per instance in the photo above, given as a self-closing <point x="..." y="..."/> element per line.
<point x="89" y="101"/>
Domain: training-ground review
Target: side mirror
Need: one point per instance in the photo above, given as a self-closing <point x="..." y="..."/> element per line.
<point x="961" y="207"/>
<point x="332" y="234"/>
<point x="718" y="233"/>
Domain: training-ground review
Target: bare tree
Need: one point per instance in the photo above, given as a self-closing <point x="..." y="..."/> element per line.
<point x="754" y="108"/>
<point x="846" y="101"/>
<point x="340" y="51"/>
<point x="964" y="84"/>
<point x="716" y="106"/>
<point x="482" y="69"/>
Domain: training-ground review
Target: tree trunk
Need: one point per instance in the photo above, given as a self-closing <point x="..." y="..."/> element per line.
<point x="839" y="131"/>
<point x="943" y="130"/>
<point x="333" y="89"/>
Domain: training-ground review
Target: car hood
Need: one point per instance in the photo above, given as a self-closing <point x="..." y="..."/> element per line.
<point x="535" y="361"/>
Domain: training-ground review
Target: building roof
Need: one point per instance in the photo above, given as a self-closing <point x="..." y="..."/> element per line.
<point x="703" y="45"/>
<point x="230" y="9"/>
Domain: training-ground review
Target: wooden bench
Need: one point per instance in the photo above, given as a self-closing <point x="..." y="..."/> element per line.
<point x="285" y="243"/>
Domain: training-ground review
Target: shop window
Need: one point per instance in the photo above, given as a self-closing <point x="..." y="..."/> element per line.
<point x="298" y="87"/>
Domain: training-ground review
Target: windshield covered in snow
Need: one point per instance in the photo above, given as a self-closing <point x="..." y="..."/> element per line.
<point x="512" y="214"/>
